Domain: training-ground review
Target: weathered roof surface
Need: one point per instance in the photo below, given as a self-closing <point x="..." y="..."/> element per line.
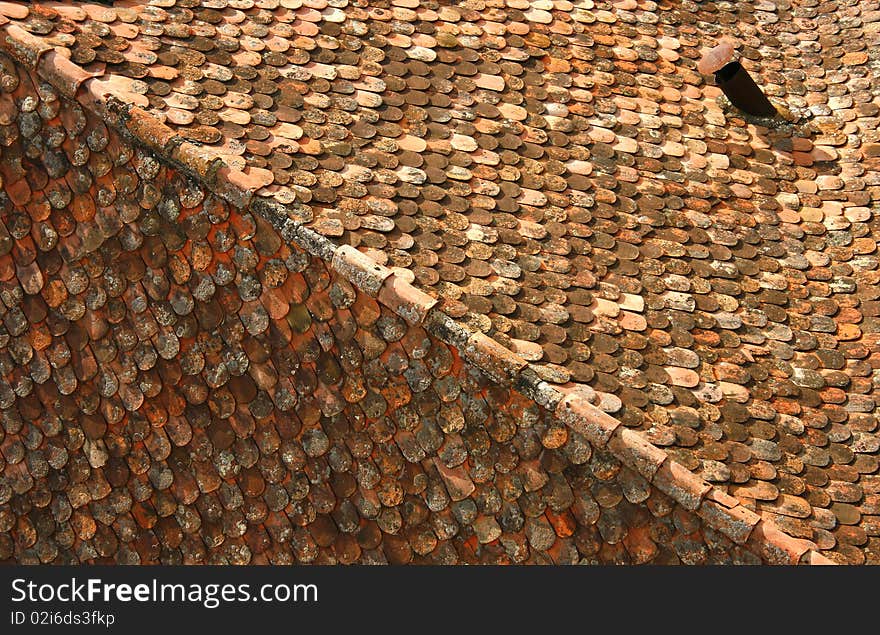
<point x="562" y="177"/>
<point x="185" y="380"/>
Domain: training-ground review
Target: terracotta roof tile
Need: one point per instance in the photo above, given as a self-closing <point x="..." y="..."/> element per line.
<point x="563" y="180"/>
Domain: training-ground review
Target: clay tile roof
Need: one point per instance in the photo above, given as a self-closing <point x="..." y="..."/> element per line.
<point x="552" y="188"/>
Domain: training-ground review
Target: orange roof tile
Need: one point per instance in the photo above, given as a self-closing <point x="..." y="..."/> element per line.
<point x="560" y="177"/>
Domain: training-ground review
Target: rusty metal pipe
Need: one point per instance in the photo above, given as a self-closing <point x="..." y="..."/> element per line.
<point x="742" y="91"/>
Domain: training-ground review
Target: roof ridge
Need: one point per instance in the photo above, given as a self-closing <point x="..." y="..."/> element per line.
<point x="572" y="407"/>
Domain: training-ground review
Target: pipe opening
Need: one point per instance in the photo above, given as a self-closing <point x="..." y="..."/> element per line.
<point x="726" y="72"/>
<point x="742" y="91"/>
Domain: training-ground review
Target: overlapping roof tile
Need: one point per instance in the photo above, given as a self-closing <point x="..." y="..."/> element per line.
<point x="561" y="177"/>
